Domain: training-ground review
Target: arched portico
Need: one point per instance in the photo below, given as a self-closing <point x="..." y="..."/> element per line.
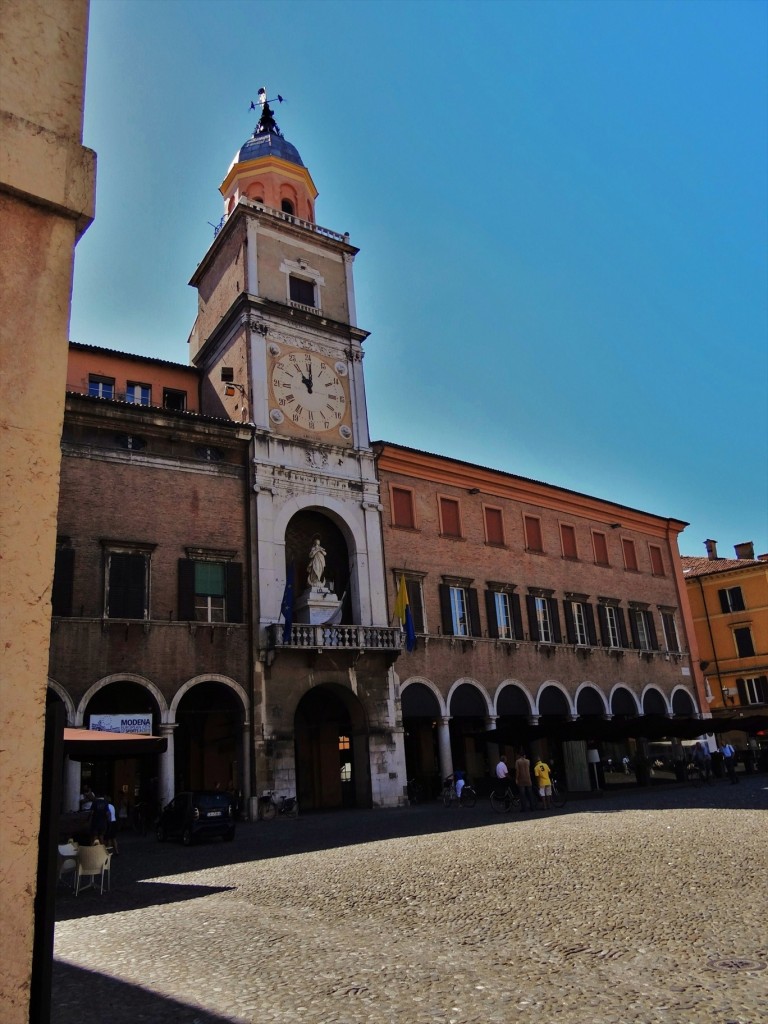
<point x="425" y="725"/>
<point x="331" y="749"/>
<point x="470" y="709"/>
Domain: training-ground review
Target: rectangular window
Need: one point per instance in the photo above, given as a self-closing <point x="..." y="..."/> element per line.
<point x="731" y="599"/>
<point x="543" y="620"/>
<point x="533" y="539"/>
<point x="657" y="562"/>
<point x="613" y="629"/>
<point x="127" y="579"/>
<point x="503" y="616"/>
<point x="450" y="521"/>
<point x="568" y="539"/>
<point x="402" y="508"/>
<point x="753" y="690"/>
<point x="744" y="644"/>
<point x="416" y="601"/>
<point x="580" y="623"/>
<point x="101" y="387"/>
<point x="459" y="616"/>
<point x="639" y="622"/>
<point x="138" y="394"/>
<point x="302" y="291"/>
<point x="210" y="590"/>
<point x="671" y="638"/>
<point x="174" y="400"/>
<point x="630" y="555"/>
<point x="600" y="547"/>
<point x="494" y="525"/>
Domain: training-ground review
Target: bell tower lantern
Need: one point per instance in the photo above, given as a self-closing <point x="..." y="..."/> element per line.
<point x="269" y="170"/>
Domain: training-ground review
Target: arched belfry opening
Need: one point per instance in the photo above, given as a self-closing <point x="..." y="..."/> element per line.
<point x="332" y="759"/>
<point x="300" y="536"/>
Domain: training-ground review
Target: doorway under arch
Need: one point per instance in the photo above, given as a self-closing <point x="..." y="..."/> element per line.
<point x="331" y="744"/>
<point x="208" y="741"/>
<point x="421" y="713"/>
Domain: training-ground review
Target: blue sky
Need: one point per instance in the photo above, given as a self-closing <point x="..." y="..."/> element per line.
<point x="562" y="210"/>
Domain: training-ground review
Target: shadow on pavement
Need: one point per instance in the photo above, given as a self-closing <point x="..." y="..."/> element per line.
<point x="136" y="896"/>
<point x="86" y="997"/>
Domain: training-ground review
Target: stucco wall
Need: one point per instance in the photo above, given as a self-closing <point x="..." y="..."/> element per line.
<point x="46" y="201"/>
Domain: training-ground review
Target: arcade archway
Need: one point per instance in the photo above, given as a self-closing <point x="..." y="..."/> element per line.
<point x="331" y="741"/>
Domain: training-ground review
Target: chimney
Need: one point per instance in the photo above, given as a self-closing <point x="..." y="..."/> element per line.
<point x="711" y="546"/>
<point x="746" y="550"/>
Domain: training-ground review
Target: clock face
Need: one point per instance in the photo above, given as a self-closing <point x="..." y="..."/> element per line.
<point x="309" y="391"/>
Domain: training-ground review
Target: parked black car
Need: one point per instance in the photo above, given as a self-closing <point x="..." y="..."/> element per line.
<point x="197" y="815"/>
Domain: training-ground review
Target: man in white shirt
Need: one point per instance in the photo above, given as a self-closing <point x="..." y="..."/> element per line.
<point x="502" y="772"/>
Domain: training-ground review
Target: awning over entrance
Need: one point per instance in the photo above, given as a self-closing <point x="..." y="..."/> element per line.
<point x="90" y="745"/>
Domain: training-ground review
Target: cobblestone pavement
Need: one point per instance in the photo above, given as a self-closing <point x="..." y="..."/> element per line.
<point x="645" y="907"/>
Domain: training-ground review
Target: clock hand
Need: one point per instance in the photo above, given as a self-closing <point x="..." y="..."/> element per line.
<point x="307" y="381"/>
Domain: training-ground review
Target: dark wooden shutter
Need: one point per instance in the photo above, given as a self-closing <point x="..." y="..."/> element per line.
<point x="517" y="617"/>
<point x="761" y="685"/>
<point x="445" y="609"/>
<point x="234" y="592"/>
<point x="654" y="640"/>
<point x="415" y="600"/>
<point x="533" y="622"/>
<point x="605" y="633"/>
<point x="741" y="686"/>
<point x="570" y="625"/>
<point x="723" y="595"/>
<point x="186" y="601"/>
<point x="63" y="582"/>
<point x="490" y="614"/>
<point x="402" y="507"/>
<point x="589" y="612"/>
<point x="622" y="626"/>
<point x="554" y="615"/>
<point x="474" y="612"/>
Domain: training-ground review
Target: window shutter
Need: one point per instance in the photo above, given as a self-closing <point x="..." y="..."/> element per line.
<point x="445" y="609"/>
<point x="63" y="582"/>
<point x="186" y="602"/>
<point x="741" y="686"/>
<point x="723" y="595"/>
<point x="533" y="622"/>
<point x="234" y="594"/>
<point x="762" y="689"/>
<point x="490" y="614"/>
<point x="417" y="607"/>
<point x="654" y="640"/>
<point x="474" y="612"/>
<point x="533" y="539"/>
<point x="570" y="625"/>
<point x="633" y="629"/>
<point x="449" y="516"/>
<point x="517" y="618"/>
<point x="605" y="633"/>
<point x="737" y="599"/>
<point x="554" y="615"/>
<point x="402" y="507"/>
<point x="589" y="612"/>
<point x="600" y="546"/>
<point x="568" y="535"/>
<point x="494" y="526"/>
<point x="622" y="626"/>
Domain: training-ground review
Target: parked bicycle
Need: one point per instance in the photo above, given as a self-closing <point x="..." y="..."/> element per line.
<point x="466" y="798"/>
<point x="415" y="792"/>
<point x="270" y="804"/>
<point x="509" y="799"/>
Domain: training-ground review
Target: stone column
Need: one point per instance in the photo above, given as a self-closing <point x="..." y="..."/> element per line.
<point x="492" y="747"/>
<point x="167" y="787"/>
<point x="73" y="773"/>
<point x="444" y="747"/>
<point x="246" y="772"/>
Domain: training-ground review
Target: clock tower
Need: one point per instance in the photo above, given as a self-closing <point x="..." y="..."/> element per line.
<point x="277" y="342"/>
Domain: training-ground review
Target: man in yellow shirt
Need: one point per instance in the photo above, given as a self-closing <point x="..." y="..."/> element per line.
<point x="544" y="779"/>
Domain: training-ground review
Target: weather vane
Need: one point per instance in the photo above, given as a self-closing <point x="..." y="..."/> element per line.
<point x="267" y="121"/>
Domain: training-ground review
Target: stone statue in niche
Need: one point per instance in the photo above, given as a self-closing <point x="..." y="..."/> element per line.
<point x="316" y="565"/>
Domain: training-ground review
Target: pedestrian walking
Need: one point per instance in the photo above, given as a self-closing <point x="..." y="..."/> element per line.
<point x="523" y="781"/>
<point x="729" y="757"/>
<point x="111" y="834"/>
<point x="502" y="771"/>
<point x="703" y="761"/>
<point x="544" y="779"/>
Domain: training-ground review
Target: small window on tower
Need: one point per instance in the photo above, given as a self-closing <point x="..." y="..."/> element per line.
<point x="302" y="291"/>
<point x="287" y="206"/>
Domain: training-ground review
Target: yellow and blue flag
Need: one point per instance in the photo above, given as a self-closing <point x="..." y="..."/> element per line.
<point x="403" y="612"/>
